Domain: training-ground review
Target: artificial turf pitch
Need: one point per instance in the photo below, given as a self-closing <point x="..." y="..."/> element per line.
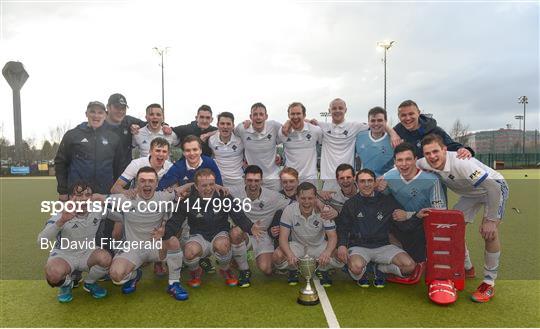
<point x="27" y="301"/>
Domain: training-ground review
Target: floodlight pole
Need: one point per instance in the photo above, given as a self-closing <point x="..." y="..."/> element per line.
<point x="386" y="45"/>
<point x="523" y="100"/>
<point x="161" y="52"/>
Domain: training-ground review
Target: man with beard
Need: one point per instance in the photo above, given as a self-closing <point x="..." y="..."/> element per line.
<point x="154" y="129"/>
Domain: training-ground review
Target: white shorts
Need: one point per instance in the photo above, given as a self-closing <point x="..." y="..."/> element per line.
<point x="264" y="245"/>
<point x="381" y="255"/>
<point x="140" y="256"/>
<point x="206" y="245"/>
<point x="470" y="206"/>
<point x="299" y="251"/>
<point x="77" y="260"/>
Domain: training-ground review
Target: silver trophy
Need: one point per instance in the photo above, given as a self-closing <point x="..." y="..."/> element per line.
<point x="307" y="266"/>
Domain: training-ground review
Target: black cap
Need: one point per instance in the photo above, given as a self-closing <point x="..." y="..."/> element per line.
<point x="118" y="100"/>
<point x="96" y="103"/>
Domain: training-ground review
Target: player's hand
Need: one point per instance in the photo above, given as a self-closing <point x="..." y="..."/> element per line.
<point x="326" y="195"/>
<point x="314" y="122"/>
<point x="167" y="130"/>
<point x="183" y="191"/>
<point x="130" y="194"/>
<point x="292" y="259"/>
<point x="134" y="129"/>
<point x="463" y="153"/>
<point x="158" y="233"/>
<point x="423" y="213"/>
<point x="286" y="128"/>
<point x="257" y="230"/>
<point x="394" y="137"/>
<point x="399" y="215"/>
<point x="247" y="123"/>
<point x="488" y="229"/>
<point x="275" y="231"/>
<point x="63" y="197"/>
<point x="328" y="213"/>
<point x="66" y="217"/>
<point x="343" y="254"/>
<point x="381" y="184"/>
<point x="223" y="191"/>
<point x="324" y="258"/>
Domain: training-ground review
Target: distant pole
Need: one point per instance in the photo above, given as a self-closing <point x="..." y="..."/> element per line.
<point x="161" y="52"/>
<point x="386" y="45"/>
<point x="523" y="100"/>
<point x="16" y="76"/>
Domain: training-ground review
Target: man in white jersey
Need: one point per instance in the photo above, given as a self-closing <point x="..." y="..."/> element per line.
<point x="79" y="228"/>
<point x="303" y="232"/>
<point x="145" y="135"/>
<point x="478" y="186"/>
<point x="260" y="140"/>
<point x="300" y="144"/>
<point x="264" y="204"/>
<point x="339" y="141"/>
<point x="228" y="151"/>
<point x="143" y="229"/>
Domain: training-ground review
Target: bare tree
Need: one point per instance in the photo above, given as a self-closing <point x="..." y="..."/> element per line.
<point x="56" y="133"/>
<point x="460" y="132"/>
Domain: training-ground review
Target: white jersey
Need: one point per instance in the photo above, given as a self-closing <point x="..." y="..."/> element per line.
<point x="260" y="147"/>
<point x="140" y="219"/>
<point x="338" y="145"/>
<point x="264" y="207"/>
<point x="131" y="170"/>
<point x="80" y="229"/>
<point x="463" y="176"/>
<point x="309" y="232"/>
<point x="143" y="139"/>
<point x="300" y="148"/>
<point x="229" y="158"/>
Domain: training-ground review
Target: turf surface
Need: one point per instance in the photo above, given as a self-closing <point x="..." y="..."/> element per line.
<point x="26" y="300"/>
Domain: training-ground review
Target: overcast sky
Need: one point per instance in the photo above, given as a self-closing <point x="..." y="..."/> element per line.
<point x="456" y="60"/>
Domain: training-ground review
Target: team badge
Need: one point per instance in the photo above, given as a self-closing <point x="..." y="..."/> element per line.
<point x="248" y="138"/>
<point x="308" y="136"/>
<point x="261" y="205"/>
<point x="316" y="223"/>
<point x="345" y="132"/>
<point x="125" y="132"/>
<point x="296" y="224"/>
<point x="95" y="221"/>
<point x="451" y="176"/>
<point x="414" y="192"/>
<point x="380" y="216"/>
<point x="104" y="141"/>
<point x="288" y="139"/>
<point x="269" y="136"/>
<point x="419" y="144"/>
<point x="234" y="147"/>
<point x="144" y="142"/>
<point x="216" y="148"/>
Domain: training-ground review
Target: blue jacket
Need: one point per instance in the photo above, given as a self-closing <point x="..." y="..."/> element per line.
<point x="89" y="155"/>
<point x="179" y="173"/>
<point x="427" y="126"/>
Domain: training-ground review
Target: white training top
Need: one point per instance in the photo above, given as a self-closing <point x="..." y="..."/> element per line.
<point x="143" y="139"/>
<point x="260" y="148"/>
<point x="300" y="148"/>
<point x="463" y="176"/>
<point x="131" y="170"/>
<point x="309" y="232"/>
<point x="338" y="145"/>
<point x="229" y="157"/>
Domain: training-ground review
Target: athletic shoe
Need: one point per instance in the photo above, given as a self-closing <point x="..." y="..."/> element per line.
<point x="379" y="278"/>
<point x="470" y="273"/>
<point x="159" y="269"/>
<point x="293" y="277"/>
<point x="130" y="286"/>
<point x="230" y="278"/>
<point x="95" y="290"/>
<point x="244" y="278"/>
<point x="76" y="277"/>
<point x="177" y="291"/>
<point x="483" y="293"/>
<point x="413" y="278"/>
<point x="364" y="280"/>
<point x="65" y="293"/>
<point x="195" y="281"/>
<point x="106" y="277"/>
<point x="442" y="292"/>
<point x="206" y="265"/>
<point x="324" y="278"/>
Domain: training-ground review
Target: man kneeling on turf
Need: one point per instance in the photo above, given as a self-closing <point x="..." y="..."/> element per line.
<point x="77" y="229"/>
<point x="306" y="230"/>
<point x="208" y="214"/>
<point x="143" y="229"/>
<point x="363" y="227"/>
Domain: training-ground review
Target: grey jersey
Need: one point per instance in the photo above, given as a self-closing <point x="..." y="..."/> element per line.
<point x="138" y="223"/>
<point x="81" y="229"/>
<point x="264" y="207"/>
<point x="309" y="232"/>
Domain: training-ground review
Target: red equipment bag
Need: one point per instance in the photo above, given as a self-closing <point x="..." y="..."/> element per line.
<point x="445" y="247"/>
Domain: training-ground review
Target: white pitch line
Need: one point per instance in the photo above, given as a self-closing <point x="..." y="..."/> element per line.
<point x="326" y="306"/>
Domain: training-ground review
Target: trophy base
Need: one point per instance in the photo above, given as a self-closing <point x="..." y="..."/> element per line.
<point x="309" y="301"/>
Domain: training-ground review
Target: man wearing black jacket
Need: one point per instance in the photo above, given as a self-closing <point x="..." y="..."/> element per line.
<point x="200" y="127"/>
<point x="363" y="227"/>
<point x="414" y="126"/>
<point x="89" y="152"/>
<point x="207" y="213"/>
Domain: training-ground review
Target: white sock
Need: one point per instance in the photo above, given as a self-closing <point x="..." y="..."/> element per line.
<point x="390" y="268"/>
<point x="491" y="266"/>
<point x="96" y="272"/>
<point x="468" y="263"/>
<point x="239" y="253"/>
<point x="174" y="263"/>
<point x="192" y="264"/>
